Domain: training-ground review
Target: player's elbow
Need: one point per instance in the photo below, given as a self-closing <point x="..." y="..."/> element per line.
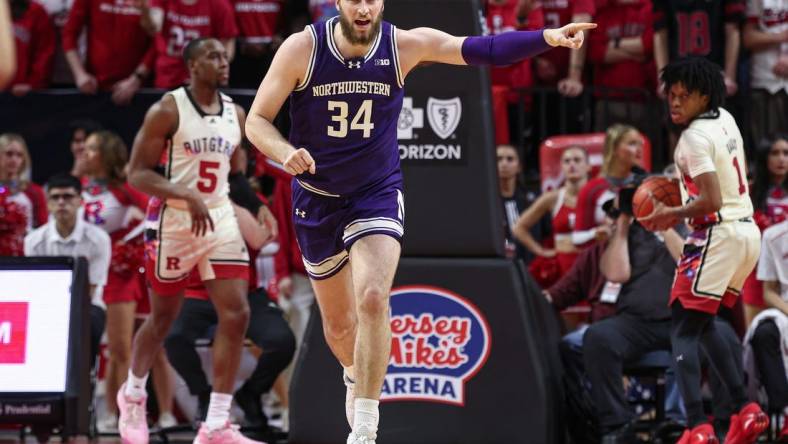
<point x="713" y="203"/>
<point x="134" y="177"/>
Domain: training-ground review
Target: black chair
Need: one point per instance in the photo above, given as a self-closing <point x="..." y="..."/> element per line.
<point x="653" y="366"/>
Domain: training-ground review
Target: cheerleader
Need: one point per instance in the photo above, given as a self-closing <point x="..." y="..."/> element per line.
<point x="112" y="204"/>
<point x="22" y="202"/>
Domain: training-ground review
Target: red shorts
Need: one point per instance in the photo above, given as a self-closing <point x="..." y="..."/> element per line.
<point x="752" y="293"/>
<point x="124" y="288"/>
<point x="714" y="265"/>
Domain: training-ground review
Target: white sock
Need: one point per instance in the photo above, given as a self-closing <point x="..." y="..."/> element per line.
<point x="350" y="373"/>
<point x="135" y="387"/>
<point x="218" y="410"/>
<point x="365" y="421"/>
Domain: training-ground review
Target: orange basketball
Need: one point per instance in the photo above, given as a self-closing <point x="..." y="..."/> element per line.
<point x="662" y="189"/>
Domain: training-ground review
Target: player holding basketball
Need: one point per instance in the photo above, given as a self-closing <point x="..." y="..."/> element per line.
<point x="722" y="249"/>
<point x="196" y="132"/>
<point x="345" y="82"/>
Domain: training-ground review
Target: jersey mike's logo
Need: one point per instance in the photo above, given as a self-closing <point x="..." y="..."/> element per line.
<point x="444" y="115"/>
<point x="13" y="332"/>
<point x="439" y="342"/>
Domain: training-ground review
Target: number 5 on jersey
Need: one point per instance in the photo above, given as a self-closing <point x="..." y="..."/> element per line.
<point x="208" y="179"/>
<point x="361" y="122"/>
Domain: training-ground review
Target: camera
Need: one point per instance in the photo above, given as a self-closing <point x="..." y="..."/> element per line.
<point x="623" y="201"/>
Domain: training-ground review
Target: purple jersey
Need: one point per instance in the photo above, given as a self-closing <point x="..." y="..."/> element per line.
<point x="345" y="113"/>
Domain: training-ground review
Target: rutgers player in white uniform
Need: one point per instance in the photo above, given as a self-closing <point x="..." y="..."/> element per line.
<point x="721" y="250"/>
<point x="196" y="131"/>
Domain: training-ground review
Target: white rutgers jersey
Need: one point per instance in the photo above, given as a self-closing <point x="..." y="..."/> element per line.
<point x="200" y="150"/>
<point x="715" y="145"/>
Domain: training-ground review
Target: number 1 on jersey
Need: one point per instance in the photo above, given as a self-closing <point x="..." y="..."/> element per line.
<point x="742" y="186"/>
<point x="362" y="121"/>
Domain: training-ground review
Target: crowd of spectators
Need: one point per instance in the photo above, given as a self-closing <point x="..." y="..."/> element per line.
<point x="582" y="248"/>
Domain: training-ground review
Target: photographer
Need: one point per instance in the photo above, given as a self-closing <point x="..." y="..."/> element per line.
<point x="643" y="264"/>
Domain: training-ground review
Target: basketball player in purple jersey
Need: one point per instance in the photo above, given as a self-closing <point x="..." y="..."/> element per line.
<point x="345" y="80"/>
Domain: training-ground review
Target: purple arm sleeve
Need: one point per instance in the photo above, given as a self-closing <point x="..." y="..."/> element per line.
<point x="503" y="49"/>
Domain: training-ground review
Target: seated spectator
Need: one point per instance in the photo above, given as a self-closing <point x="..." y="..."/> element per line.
<point x="175" y="23"/>
<point x="766" y="37"/>
<point x="642" y="264"/>
<point x="699" y="28"/>
<point x="118" y="65"/>
<point x="560" y="204"/>
<point x="15" y="169"/>
<point x="260" y="26"/>
<point x="769" y="195"/>
<point x="68" y="235"/>
<point x="767" y="337"/>
<point x="621" y="50"/>
<point x="267" y="330"/>
<point x="515" y="200"/>
<point x="80" y="130"/>
<point x="621" y="166"/>
<point x="35" y="47"/>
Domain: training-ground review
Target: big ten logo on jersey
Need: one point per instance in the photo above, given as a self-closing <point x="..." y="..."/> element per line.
<point x="443" y="144"/>
<point x="13" y="332"/>
<point x="439" y="342"/>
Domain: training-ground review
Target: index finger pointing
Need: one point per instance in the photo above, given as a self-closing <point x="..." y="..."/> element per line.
<point x="583" y="26"/>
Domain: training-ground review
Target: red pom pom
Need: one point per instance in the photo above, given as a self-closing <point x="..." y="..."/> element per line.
<point x="545" y="271"/>
<point x="13" y="225"/>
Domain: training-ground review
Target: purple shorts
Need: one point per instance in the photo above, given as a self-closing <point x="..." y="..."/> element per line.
<point x="326" y="225"/>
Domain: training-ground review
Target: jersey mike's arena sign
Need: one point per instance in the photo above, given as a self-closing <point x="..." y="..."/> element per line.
<point x="439" y="342"/>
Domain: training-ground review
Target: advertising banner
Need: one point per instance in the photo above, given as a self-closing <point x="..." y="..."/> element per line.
<point x="474" y="357"/>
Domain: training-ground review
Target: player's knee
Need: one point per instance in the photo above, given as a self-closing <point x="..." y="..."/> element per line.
<point x="120" y="353"/>
<point x="337" y="328"/>
<point x="236" y="318"/>
<point x="374" y="302"/>
<point x="160" y="323"/>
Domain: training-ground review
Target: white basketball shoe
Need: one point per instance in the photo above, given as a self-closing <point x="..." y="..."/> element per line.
<point x="350" y="396"/>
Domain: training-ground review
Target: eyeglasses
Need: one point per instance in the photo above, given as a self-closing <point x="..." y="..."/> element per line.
<point x="62" y="196"/>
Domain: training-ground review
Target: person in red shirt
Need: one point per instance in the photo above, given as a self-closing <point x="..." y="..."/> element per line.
<point x="564" y="67"/>
<point x="621" y="51"/>
<point x="260" y="24"/>
<point x="504" y="16"/>
<point x="175" y="23"/>
<point x="35" y="46"/>
<point x="561" y="204"/>
<point x="16" y="187"/>
<point x="623" y="155"/>
<point x="119" y="65"/>
<point x="770" y="199"/>
<point x="114" y="206"/>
